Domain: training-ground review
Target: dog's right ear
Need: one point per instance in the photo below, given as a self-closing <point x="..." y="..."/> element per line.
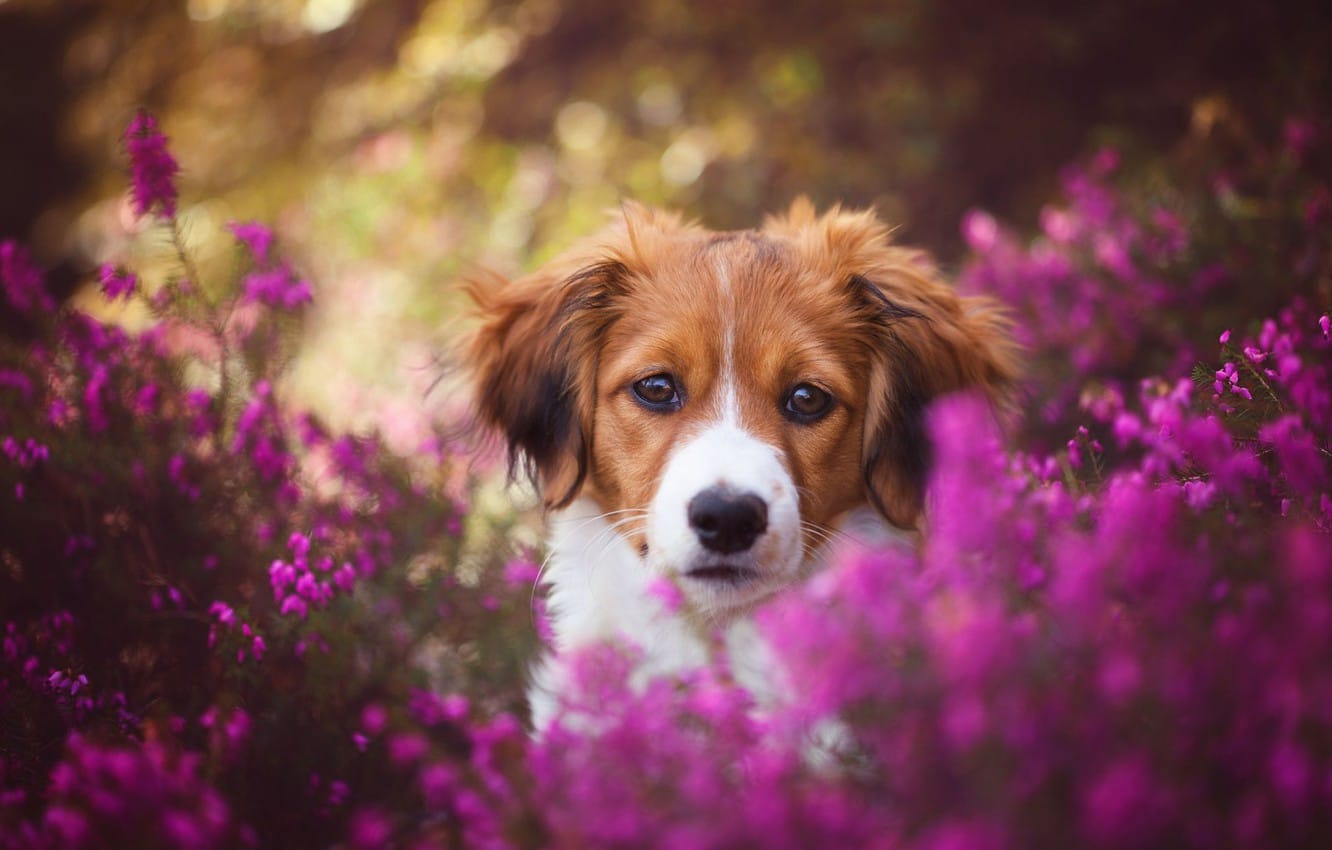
<point x="533" y="361"/>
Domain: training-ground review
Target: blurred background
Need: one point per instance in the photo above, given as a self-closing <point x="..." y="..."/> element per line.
<point x="394" y="143"/>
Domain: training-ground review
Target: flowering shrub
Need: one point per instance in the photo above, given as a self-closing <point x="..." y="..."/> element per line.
<point x="1120" y="285"/>
<point x="225" y="625"/>
<point x="215" y="611"/>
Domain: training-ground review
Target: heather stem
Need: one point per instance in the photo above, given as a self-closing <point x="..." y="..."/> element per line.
<point x="215" y="326"/>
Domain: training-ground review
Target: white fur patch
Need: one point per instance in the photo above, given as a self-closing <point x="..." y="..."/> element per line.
<point x="724" y="455"/>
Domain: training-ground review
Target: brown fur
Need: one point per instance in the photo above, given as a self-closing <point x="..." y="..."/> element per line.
<point x="807" y="299"/>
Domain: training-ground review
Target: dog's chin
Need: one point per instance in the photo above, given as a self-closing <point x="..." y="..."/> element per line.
<point x="716" y="586"/>
<point x="722" y="575"/>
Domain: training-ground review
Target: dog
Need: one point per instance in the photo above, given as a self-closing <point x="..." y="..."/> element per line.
<point x="704" y="414"/>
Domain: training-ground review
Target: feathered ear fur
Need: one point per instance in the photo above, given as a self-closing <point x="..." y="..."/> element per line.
<point x="924" y="340"/>
<point x="941" y="344"/>
<point x="534" y="356"/>
<point x="534" y="361"/>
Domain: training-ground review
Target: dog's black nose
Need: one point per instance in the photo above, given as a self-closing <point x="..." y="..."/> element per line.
<point x="725" y="521"/>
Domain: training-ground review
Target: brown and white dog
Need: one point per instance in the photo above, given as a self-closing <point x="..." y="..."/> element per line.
<point x="713" y="409"/>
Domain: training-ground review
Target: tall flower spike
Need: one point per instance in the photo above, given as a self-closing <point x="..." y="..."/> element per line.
<point x="152" y="168"/>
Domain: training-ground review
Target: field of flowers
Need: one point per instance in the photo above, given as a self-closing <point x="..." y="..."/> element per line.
<point x="226" y="625"/>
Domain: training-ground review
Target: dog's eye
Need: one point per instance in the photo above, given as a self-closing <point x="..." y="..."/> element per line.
<point x="807" y="403"/>
<point x="657" y="392"/>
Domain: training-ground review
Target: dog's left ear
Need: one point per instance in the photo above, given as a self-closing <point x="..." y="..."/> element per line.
<point x="924" y="349"/>
<point x="924" y="341"/>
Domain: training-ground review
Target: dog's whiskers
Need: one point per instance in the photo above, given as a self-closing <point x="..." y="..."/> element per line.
<point x="602" y="542"/>
<point x="605" y="538"/>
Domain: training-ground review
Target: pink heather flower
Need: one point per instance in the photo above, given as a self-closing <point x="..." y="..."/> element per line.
<point x="980" y="230"/>
<point x="92" y="399"/>
<point x="152" y="168"/>
<point x="1058" y="224"/>
<point x="224" y="613"/>
<point x="1124" y="803"/>
<point x="338" y="791"/>
<point x="1291" y="772"/>
<point x="295" y="605"/>
<point x="374" y="718"/>
<point x="1326" y="324"/>
<point x="520" y="572"/>
<point x="306" y="586"/>
<point x="145" y="400"/>
<point x="408" y="747"/>
<point x="667" y="593"/>
<point x="277" y="288"/>
<point x="345" y="577"/>
<point x="117" y="283"/>
<point x="438" y="783"/>
<point x="254" y="236"/>
<point x="299" y="544"/>
<point x="370" y="828"/>
<point x="237" y="728"/>
<point x="1225" y="336"/>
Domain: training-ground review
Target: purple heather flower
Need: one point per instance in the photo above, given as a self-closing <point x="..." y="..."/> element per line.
<point x="520" y="572"/>
<point x="277" y="287"/>
<point x="21" y="282"/>
<point x="337" y="792"/>
<point x="257" y="237"/>
<point x="152" y="168"/>
<point x="94" y="403"/>
<point x="117" y="283"/>
<point x="295" y="605"/>
<point x="980" y="230"/>
<point x="408" y="747"/>
<point x="667" y="593"/>
<point x="299" y="544"/>
<point x="374" y="718"/>
<point x="370" y="829"/>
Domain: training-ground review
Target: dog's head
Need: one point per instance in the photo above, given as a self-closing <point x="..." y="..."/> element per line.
<point x="723" y="397"/>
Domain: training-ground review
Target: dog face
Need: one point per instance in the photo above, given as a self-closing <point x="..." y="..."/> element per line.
<point x="724" y="397"/>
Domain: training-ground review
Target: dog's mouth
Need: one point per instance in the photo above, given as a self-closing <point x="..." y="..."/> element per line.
<point x="723" y="574"/>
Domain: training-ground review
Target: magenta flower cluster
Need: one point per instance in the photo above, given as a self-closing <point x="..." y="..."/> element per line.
<point x="297" y="584"/>
<point x="224" y="625"/>
<point x="272" y="282"/>
<point x="117" y="283"/>
<point x="152" y="167"/>
<point x="1123" y="284"/>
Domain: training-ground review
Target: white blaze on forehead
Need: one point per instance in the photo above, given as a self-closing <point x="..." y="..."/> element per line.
<point x="728" y="398"/>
